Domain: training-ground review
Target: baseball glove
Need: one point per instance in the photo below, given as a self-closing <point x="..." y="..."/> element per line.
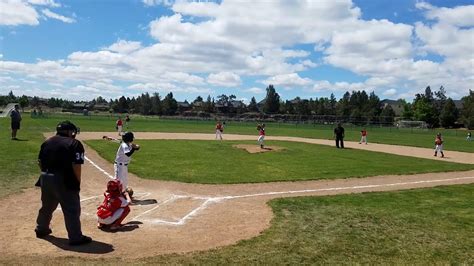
<point x="129" y="190"/>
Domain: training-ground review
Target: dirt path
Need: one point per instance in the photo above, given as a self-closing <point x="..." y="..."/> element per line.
<point x="189" y="217"/>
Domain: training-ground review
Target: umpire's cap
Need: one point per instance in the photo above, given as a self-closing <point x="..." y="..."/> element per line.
<point x="128" y="137"/>
<point x="63" y="127"/>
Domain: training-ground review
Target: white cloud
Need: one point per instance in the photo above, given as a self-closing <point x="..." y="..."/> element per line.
<point x="226" y="79"/>
<point x="158" y="2"/>
<point x="288" y="80"/>
<point x="16" y="12"/>
<point x="50" y="3"/>
<point x="461" y="16"/>
<point x="255" y="90"/>
<point x="124" y="47"/>
<point x="50" y="14"/>
<point x="390" y="92"/>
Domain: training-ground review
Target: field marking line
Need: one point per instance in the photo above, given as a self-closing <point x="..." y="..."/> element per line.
<point x="98" y="167"/>
<point x="342" y="188"/>
<point x="171" y="199"/>
<point x="209" y="200"/>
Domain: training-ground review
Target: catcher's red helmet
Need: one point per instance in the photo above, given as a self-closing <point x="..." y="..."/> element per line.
<point x="114" y="187"/>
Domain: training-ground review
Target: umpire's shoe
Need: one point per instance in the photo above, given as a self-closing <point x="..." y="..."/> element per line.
<point x="81" y="241"/>
<point x="42" y="233"/>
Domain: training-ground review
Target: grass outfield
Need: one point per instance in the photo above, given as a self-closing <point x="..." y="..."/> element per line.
<point x="217" y="162"/>
<point x="432" y="226"/>
<point x="454" y="139"/>
<point x="423" y="226"/>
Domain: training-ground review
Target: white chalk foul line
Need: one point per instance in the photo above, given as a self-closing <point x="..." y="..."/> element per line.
<point x="98" y="167"/>
<point x="209" y="200"/>
<point x="342" y="188"/>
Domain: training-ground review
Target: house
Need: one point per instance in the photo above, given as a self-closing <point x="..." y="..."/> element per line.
<point x="396" y="105"/>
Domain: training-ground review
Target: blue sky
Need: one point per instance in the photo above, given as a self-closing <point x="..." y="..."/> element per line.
<point x="83" y="49"/>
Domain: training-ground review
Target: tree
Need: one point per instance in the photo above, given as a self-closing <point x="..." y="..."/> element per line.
<point x="252" y="107"/>
<point x="387" y="115"/>
<point x="332" y="105"/>
<point x="35" y="101"/>
<point x="468" y="110"/>
<point x="449" y="115"/>
<point x="170" y="105"/>
<point x="122" y="105"/>
<point x="23" y="101"/>
<point x="156" y="104"/>
<point x="272" y="101"/>
<point x="344" y="107"/>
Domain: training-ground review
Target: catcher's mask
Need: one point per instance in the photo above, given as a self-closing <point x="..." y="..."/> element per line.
<point x="114" y="187"/>
<point x="67" y="127"/>
<point x="127" y="137"/>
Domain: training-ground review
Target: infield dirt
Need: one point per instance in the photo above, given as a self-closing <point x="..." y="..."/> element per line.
<point x="189" y="217"/>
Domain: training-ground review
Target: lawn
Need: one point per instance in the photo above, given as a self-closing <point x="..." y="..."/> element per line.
<point x="454" y="139"/>
<point x="18" y="162"/>
<point x="432" y="226"/>
<point x="217" y="162"/>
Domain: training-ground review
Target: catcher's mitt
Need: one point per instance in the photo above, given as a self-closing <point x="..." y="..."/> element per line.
<point x="129" y="190"/>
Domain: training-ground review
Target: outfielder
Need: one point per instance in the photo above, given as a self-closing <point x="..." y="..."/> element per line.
<point x="122" y="159"/>
<point x="439" y="145"/>
<point x="261" y="134"/>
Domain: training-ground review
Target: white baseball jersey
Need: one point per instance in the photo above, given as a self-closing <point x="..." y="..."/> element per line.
<point x="121" y="157"/>
<point x="121" y="164"/>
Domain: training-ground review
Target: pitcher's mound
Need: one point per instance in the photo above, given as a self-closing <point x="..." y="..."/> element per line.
<point x="256" y="148"/>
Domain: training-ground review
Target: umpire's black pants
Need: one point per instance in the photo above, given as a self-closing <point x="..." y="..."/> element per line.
<point x="341" y="141"/>
<point x="54" y="192"/>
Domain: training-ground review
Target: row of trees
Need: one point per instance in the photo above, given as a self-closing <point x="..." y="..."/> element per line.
<point x="435" y="108"/>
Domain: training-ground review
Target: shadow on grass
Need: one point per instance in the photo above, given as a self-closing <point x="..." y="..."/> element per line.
<point x="95" y="247"/>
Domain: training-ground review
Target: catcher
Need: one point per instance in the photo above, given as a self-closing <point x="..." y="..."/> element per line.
<point x="122" y="160"/>
<point x="114" y="208"/>
<point x="439" y="145"/>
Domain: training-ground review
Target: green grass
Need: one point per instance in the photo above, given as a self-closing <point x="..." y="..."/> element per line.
<point x="421" y="226"/>
<point x="18" y="160"/>
<point x="216" y="162"/>
<point x="18" y="163"/>
<point x="454" y="139"/>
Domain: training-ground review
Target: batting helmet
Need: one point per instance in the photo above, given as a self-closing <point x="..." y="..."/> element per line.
<point x="114" y="187"/>
<point x="127" y="137"/>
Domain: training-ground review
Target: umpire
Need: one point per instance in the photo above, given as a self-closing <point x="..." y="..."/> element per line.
<point x="60" y="160"/>
<point x="339" y="136"/>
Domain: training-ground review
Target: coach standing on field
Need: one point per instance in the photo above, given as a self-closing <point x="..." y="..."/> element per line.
<point x="339" y="136"/>
<point x="16" y="119"/>
<point x="60" y="160"/>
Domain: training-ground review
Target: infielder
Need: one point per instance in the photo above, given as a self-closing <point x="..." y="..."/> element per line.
<point x="219" y="130"/>
<point x="439" y="145"/>
<point x="122" y="159"/>
<point x="119" y="126"/>
<point x="261" y="134"/>
<point x="363" y="136"/>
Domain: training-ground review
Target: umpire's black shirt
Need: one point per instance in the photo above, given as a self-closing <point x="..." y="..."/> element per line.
<point x="57" y="155"/>
<point x="339" y="131"/>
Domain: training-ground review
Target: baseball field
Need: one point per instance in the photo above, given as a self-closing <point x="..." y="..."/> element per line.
<point x="302" y="201"/>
